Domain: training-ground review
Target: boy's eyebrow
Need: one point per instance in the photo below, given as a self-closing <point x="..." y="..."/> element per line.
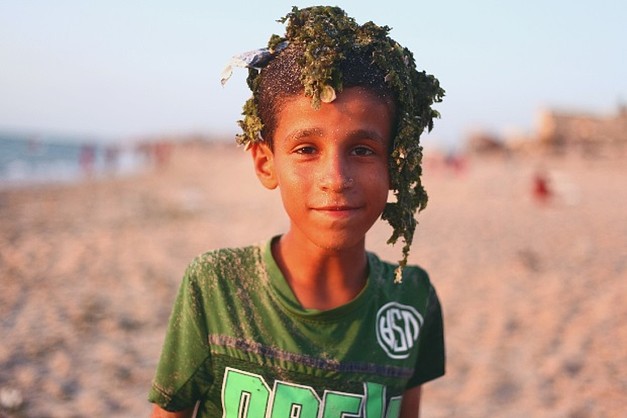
<point x="367" y="134"/>
<point x="298" y="134"/>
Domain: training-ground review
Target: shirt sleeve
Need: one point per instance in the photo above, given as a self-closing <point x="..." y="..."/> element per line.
<point x="430" y="363"/>
<point x="184" y="369"/>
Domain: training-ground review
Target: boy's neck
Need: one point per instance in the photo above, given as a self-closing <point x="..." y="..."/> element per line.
<point x="321" y="278"/>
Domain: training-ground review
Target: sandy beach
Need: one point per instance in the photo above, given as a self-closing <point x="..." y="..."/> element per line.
<point x="534" y="293"/>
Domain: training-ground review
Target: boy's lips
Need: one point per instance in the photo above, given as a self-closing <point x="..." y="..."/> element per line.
<point x="336" y="210"/>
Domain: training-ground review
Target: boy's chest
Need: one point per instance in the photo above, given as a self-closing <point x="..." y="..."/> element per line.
<point x="266" y="358"/>
<point x="377" y="337"/>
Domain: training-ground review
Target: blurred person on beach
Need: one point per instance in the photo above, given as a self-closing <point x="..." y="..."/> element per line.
<point x="541" y="189"/>
<point x="87" y="159"/>
<point x="309" y="323"/>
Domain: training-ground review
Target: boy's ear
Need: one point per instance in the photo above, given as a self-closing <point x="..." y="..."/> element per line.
<point x="263" y="160"/>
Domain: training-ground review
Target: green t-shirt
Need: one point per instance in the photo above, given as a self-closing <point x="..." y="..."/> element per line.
<point x="239" y="342"/>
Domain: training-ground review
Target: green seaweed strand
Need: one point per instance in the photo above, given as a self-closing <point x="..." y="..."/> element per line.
<point x="325" y="33"/>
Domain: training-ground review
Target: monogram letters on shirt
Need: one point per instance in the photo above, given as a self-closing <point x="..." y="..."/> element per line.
<point x="398" y="327"/>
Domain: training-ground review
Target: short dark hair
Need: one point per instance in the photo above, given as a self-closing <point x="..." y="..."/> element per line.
<point x="281" y="79"/>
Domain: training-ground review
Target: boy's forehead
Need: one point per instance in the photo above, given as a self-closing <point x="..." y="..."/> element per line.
<point x="357" y="112"/>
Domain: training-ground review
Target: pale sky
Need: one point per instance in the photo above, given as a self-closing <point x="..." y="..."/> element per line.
<point x="120" y="69"/>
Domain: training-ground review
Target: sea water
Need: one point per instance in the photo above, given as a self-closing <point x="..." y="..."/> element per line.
<point x="36" y="159"/>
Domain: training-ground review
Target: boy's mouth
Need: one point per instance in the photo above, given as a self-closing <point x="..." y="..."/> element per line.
<point x="335" y="209"/>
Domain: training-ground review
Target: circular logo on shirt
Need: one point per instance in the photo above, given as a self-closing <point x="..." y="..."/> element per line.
<point x="398" y="327"/>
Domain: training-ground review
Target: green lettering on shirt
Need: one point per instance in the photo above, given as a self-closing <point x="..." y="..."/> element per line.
<point x="294" y="401"/>
<point x="244" y="395"/>
<point x="247" y="395"/>
<point x="339" y="404"/>
<point x="394" y="407"/>
<point x="375" y="400"/>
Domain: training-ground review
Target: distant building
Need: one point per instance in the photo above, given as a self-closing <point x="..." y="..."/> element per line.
<point x="582" y="132"/>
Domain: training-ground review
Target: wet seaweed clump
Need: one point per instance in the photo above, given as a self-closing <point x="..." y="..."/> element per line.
<point x="326" y="36"/>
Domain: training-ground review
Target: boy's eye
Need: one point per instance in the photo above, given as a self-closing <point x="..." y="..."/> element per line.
<point x="305" y="150"/>
<point x="362" y="151"/>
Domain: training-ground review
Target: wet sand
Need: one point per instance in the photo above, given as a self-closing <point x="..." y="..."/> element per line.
<point x="534" y="294"/>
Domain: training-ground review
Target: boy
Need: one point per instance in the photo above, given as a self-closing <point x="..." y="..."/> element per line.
<point x="309" y="324"/>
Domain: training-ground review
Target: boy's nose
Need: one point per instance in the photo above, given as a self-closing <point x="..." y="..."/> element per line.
<point x="335" y="175"/>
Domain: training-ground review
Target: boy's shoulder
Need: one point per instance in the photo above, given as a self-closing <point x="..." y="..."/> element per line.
<point x="383" y="273"/>
<point x="227" y="254"/>
<point x="227" y="262"/>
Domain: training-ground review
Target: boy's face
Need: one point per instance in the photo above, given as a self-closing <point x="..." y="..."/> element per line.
<point x="331" y="166"/>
